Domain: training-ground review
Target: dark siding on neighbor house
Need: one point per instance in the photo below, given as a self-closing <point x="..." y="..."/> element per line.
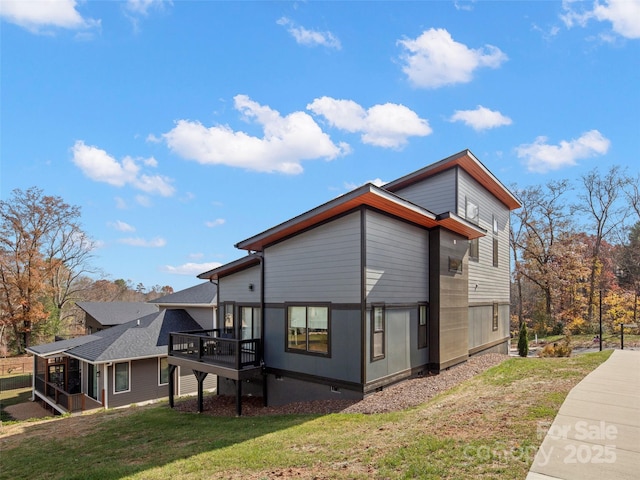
<point x="188" y="384"/>
<point x="143" y="383"/>
<point x="319" y="265"/>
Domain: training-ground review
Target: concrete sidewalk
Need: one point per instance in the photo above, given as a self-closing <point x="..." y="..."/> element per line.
<point x="596" y="434"/>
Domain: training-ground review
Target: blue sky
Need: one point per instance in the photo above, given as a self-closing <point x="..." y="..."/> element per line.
<point x="181" y="128"/>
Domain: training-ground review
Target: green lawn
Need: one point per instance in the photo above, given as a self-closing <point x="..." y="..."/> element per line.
<point x="487" y="427"/>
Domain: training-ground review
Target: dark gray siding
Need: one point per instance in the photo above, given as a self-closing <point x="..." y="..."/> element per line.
<point x="343" y="364"/>
<point x="188" y="385"/>
<point x="397" y="266"/>
<point x="235" y="288"/>
<point x="143" y="382"/>
<point x="285" y="390"/>
<point x="436" y="194"/>
<point x="321" y="265"/>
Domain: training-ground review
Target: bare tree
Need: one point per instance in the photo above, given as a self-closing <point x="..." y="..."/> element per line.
<point x="601" y="202"/>
<point x="42" y="249"/>
<point x="540" y="223"/>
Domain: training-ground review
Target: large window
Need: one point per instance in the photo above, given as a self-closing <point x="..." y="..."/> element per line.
<point x="163" y="365"/>
<point x="423" y="322"/>
<point x="377" y="332"/>
<point x="121" y="377"/>
<point x="308" y="329"/>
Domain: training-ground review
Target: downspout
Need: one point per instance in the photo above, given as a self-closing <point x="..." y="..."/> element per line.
<point x="262" y="332"/>
<point x="33" y="378"/>
<point x="105" y="385"/>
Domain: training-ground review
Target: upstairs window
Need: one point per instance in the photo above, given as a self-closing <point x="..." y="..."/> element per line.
<point x="472" y="211"/>
<point x="377" y="332"/>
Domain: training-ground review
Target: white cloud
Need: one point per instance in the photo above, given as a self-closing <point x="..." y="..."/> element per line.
<point x="434" y="59"/>
<point x="98" y="165"/>
<point x="286" y="141"/>
<point x="310" y="38"/>
<point x="388" y="125"/>
<point x="623" y="15"/>
<point x="541" y="157"/>
<point x="215" y="223"/>
<point x="481" y="118"/>
<point x="142" y="7"/>
<point x="121" y="226"/>
<point x="36" y="15"/>
<point x="141" y="242"/>
<point x="190" y="268"/>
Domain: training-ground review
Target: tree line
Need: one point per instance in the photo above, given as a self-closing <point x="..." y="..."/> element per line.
<point x="45" y="268"/>
<point x="573" y="259"/>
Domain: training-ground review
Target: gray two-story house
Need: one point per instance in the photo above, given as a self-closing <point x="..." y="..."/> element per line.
<point x="372" y="287"/>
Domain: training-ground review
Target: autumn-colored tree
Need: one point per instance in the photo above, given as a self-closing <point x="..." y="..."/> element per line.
<point x="602" y="199"/>
<point x="542" y="221"/>
<point x="42" y="249"/>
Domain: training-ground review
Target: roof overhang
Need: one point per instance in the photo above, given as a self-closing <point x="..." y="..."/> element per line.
<point x="368" y="195"/>
<point x="232" y="267"/>
<point x="470" y="164"/>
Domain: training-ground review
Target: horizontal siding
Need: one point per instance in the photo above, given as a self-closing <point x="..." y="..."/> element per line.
<point x="321" y="265"/>
<point x="235" y="287"/>
<point x="144" y="377"/>
<point x="436" y="194"/>
<point x="188" y="385"/>
<point x="481" y="324"/>
<point x="397" y="265"/>
<point x="492" y="282"/>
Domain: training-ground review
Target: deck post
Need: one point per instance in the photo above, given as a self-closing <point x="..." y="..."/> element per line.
<point x="238" y="398"/>
<point x="200" y="376"/>
<point x="172" y="370"/>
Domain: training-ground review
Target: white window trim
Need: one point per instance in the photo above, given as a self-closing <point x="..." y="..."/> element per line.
<point x="160" y="384"/>
<point x="128" y="378"/>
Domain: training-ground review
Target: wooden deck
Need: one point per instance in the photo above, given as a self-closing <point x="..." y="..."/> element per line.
<point x="62" y="401"/>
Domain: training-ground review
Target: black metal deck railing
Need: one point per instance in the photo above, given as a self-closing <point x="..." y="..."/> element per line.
<point x="210" y="346"/>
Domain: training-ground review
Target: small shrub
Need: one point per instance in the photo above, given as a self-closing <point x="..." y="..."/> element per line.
<point x="557" y="349"/>
<point x="523" y="341"/>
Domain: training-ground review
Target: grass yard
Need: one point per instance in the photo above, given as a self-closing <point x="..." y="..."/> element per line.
<point x="487" y="427"/>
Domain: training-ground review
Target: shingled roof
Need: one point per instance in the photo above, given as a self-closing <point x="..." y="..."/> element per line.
<point x="141" y="338"/>
<point x="117" y="313"/>
<point x="203" y="294"/>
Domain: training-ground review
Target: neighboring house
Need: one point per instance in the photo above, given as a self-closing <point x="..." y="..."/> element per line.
<point x="101" y="315"/>
<point x="125" y="363"/>
<point x="363" y="291"/>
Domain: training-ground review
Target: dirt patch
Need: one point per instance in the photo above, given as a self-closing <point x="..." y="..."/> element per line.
<point x="27" y="411"/>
